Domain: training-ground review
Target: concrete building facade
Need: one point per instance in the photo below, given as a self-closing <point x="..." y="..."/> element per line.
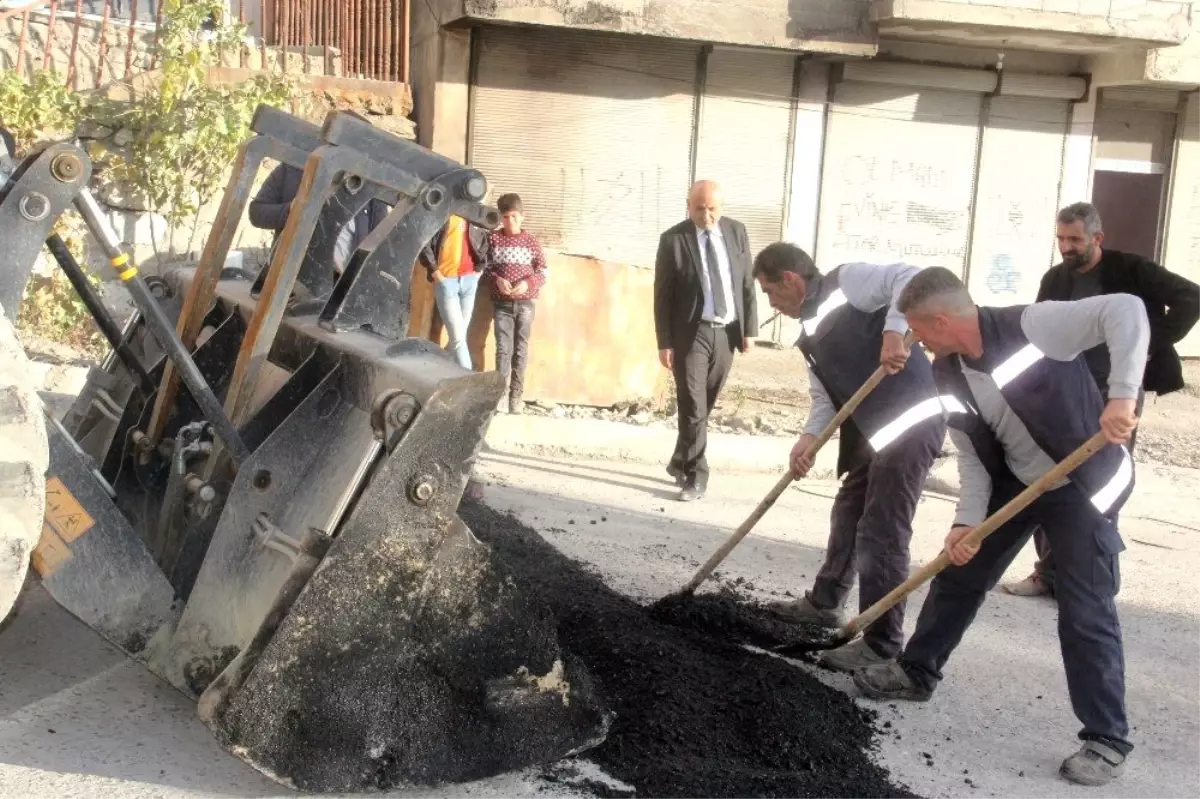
<point x="938" y="132"/>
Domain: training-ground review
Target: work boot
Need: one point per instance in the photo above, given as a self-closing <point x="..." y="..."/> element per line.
<point x="888" y="681"/>
<point x="851" y="657"/>
<point x="1094" y="764"/>
<point x="692" y="490"/>
<point x="803" y="611"/>
<point x="1033" y="585"/>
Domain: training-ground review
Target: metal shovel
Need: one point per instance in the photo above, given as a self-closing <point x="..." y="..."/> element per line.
<point x="846" y="634"/>
<point x="745" y="527"/>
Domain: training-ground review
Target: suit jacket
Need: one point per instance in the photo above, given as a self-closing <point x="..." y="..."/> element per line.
<point x="269" y="208"/>
<point x="679" y="292"/>
<point x="1172" y="307"/>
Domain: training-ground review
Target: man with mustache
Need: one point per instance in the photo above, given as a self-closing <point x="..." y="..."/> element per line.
<point x="1172" y="306"/>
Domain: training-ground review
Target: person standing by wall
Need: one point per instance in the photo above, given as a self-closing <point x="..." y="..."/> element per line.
<point x="455" y="258"/>
<point x="271" y="204"/>
<point x="1172" y="306"/>
<point x="704" y="309"/>
<point x="270" y="207"/>
<point x="517" y="276"/>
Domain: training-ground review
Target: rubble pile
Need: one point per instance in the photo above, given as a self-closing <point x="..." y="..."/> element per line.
<point x="697" y="715"/>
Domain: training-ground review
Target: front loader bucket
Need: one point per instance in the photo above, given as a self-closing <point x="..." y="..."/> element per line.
<point x="259" y="491"/>
<point x="411" y="656"/>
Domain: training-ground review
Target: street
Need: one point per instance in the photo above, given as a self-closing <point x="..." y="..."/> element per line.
<point x="80" y="720"/>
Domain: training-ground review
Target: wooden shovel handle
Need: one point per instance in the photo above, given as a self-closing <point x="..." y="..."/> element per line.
<point x="745" y="527"/>
<point x="986" y="528"/>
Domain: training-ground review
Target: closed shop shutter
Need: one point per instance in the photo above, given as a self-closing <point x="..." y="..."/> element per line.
<point x="592" y="130"/>
<point x="899" y="167"/>
<point x="1020" y="169"/>
<point x="745" y="121"/>
<point x="745" y="125"/>
<point x="1181" y="253"/>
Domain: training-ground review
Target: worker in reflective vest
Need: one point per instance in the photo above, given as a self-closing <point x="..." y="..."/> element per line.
<point x="850" y="325"/>
<point x="1020" y="398"/>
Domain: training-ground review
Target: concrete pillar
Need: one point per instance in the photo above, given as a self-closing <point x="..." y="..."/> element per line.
<point x="1181" y="248"/>
<point x="808" y="148"/>
<point x="808" y="140"/>
<point x="1077" y="153"/>
<point x="452" y="96"/>
<point x="441" y="62"/>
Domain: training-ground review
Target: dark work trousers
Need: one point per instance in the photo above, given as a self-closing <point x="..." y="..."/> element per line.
<point x="700" y="373"/>
<point x="870" y="528"/>
<point x="1045" y="562"/>
<point x="514" y="320"/>
<point x="1089" y="633"/>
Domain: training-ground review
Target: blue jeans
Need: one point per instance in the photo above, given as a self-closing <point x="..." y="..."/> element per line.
<point x="455" y="301"/>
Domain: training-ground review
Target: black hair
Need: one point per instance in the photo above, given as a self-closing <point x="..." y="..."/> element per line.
<point x="782" y="256"/>
<point x="510" y="202"/>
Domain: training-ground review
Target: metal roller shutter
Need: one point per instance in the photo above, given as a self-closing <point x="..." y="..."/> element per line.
<point x="1020" y="168"/>
<point x="745" y="122"/>
<point x="592" y="130"/>
<point x="744" y="133"/>
<point x="1181" y="253"/>
<point x="899" y="169"/>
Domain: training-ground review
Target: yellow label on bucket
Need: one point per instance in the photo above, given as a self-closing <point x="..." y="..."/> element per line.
<point x="51" y="552"/>
<point x="64" y="513"/>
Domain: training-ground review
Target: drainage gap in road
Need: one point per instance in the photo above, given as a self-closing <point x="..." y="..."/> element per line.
<point x="697" y="714"/>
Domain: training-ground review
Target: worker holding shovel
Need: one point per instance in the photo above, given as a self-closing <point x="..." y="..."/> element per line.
<point x="1020" y="398"/>
<point x="850" y="326"/>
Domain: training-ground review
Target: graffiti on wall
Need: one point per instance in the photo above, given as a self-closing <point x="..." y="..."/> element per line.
<point x="1012" y="244"/>
<point x="899" y="209"/>
<point x="1002" y="275"/>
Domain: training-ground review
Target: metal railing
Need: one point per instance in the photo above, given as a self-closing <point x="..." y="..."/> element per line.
<point x="372" y="36"/>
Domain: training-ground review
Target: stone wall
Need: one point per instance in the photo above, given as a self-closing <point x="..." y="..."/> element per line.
<point x="93" y="51"/>
<point x="103" y="57"/>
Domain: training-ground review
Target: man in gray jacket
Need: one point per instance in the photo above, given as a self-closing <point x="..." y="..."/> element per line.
<point x="1020" y="398"/>
<point x="850" y="325"/>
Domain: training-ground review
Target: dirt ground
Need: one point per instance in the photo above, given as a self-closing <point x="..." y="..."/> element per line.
<point x="773" y="384"/>
<point x="767" y="393"/>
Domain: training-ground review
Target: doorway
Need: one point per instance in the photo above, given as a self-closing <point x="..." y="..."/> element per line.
<point x="1130" y="206"/>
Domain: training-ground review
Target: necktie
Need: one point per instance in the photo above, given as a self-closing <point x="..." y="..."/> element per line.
<point x="714" y="276"/>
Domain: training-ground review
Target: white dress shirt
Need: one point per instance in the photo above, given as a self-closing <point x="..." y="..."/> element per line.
<point x="726" y="272"/>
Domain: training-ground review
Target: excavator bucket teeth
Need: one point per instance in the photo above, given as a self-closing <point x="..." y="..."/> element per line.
<point x="412" y="655"/>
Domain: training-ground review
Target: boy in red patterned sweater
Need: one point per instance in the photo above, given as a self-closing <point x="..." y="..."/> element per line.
<point x="516" y="274"/>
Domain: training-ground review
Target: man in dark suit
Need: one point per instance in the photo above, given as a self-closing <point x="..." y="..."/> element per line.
<point x="1089" y="270"/>
<point x="704" y="309"/>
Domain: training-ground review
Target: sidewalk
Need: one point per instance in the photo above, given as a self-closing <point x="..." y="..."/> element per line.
<point x="596" y="439"/>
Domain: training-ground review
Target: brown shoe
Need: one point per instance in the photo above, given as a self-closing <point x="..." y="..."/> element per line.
<point x="1033" y="585"/>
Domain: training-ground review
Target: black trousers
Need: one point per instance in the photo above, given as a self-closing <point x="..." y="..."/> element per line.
<point x="1044" y="567"/>
<point x="700" y="373"/>
<point x="1089" y="632"/>
<point x="514" y="320"/>
<point x="870" y="529"/>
